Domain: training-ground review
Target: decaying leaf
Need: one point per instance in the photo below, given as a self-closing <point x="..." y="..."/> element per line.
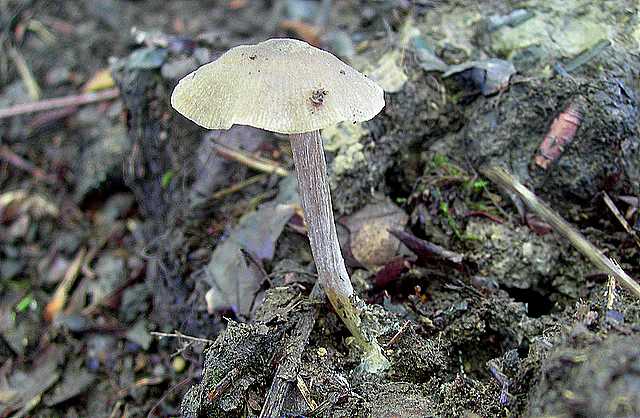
<point x="23" y="390"/>
<point x="234" y="279"/>
<point x="18" y="202"/>
<point x="138" y="334"/>
<point x="101" y="80"/>
<point x="76" y="380"/>
<point x="371" y="242"/>
<point x="489" y="76"/>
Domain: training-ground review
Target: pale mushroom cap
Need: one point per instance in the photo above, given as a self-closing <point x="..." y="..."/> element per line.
<point x="280" y="85"/>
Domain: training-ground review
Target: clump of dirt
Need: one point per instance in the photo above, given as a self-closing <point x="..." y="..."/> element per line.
<point x="590" y="376"/>
<point x="531" y="268"/>
<point x="228" y="379"/>
<point x="411" y="120"/>
<point x="507" y="130"/>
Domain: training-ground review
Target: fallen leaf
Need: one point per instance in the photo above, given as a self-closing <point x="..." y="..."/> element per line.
<point x="391" y="271"/>
<point x="490" y="76"/>
<point x="101" y="80"/>
<point x="23" y="390"/>
<point x="138" y="334"/>
<point x="371" y="243"/>
<point x="147" y="58"/>
<point x="75" y="381"/>
<point x="235" y="280"/>
<point x="307" y="32"/>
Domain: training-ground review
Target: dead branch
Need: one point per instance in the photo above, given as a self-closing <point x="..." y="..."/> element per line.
<point x="17" y="161"/>
<point x="59" y="102"/>
<point x="287" y="371"/>
<point x="504" y="179"/>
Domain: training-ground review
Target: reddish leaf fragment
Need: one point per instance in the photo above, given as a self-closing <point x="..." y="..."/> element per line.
<point x="561" y="133"/>
<point x="483" y="214"/>
<point x="539" y="227"/>
<point x="391" y="271"/>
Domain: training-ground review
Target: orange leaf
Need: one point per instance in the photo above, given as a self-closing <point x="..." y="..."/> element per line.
<point x="307" y="32"/>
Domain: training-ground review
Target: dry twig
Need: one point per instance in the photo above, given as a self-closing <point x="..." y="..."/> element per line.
<point x="25" y="73"/>
<point x="260" y="164"/>
<point x="614" y="209"/>
<point x="507" y="181"/>
<point x="238" y="186"/>
<point x="59" y="299"/>
<point x="179" y="335"/>
<point x="60" y="102"/>
<point x="17" y="161"/>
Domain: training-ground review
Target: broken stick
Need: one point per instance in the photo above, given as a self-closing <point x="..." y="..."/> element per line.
<point x="504" y="179"/>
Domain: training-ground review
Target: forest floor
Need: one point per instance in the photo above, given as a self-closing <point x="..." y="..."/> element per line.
<point x="151" y="268"/>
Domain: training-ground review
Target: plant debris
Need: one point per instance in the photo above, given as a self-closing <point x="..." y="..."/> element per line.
<point x="151" y="268"/>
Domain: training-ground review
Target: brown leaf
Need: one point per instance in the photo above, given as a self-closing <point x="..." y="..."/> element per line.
<point x="307" y="32"/>
<point x="371" y="243"/>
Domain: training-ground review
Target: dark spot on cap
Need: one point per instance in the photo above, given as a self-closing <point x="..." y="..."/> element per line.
<point x="252" y="57"/>
<point x="342" y="72"/>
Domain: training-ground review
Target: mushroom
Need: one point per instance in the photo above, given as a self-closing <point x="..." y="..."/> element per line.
<point x="290" y="87"/>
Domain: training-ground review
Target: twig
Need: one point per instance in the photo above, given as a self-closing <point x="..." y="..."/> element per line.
<point x="611" y="292"/>
<point x="506" y="180"/>
<point x="60" y="102"/>
<point x="238" y="186"/>
<point x="426" y="250"/>
<point x="116" y="411"/>
<point x="145" y="381"/>
<point x="60" y="296"/>
<point x="167" y="393"/>
<point x="306" y="394"/>
<point x="260" y="164"/>
<point x="484" y="214"/>
<point x="25" y="73"/>
<point x="287" y="371"/>
<point x="614" y="209"/>
<point x="224" y="384"/>
<point x="398" y="334"/>
<point x="178" y="334"/>
<point x="17" y="161"/>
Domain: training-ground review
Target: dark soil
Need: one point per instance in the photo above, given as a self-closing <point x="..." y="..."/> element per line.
<point x="122" y="212"/>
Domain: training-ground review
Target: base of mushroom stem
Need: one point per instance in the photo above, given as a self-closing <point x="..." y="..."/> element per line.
<point x="373" y="360"/>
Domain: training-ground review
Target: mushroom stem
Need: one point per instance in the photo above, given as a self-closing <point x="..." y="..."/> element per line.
<point x="311" y="168"/>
